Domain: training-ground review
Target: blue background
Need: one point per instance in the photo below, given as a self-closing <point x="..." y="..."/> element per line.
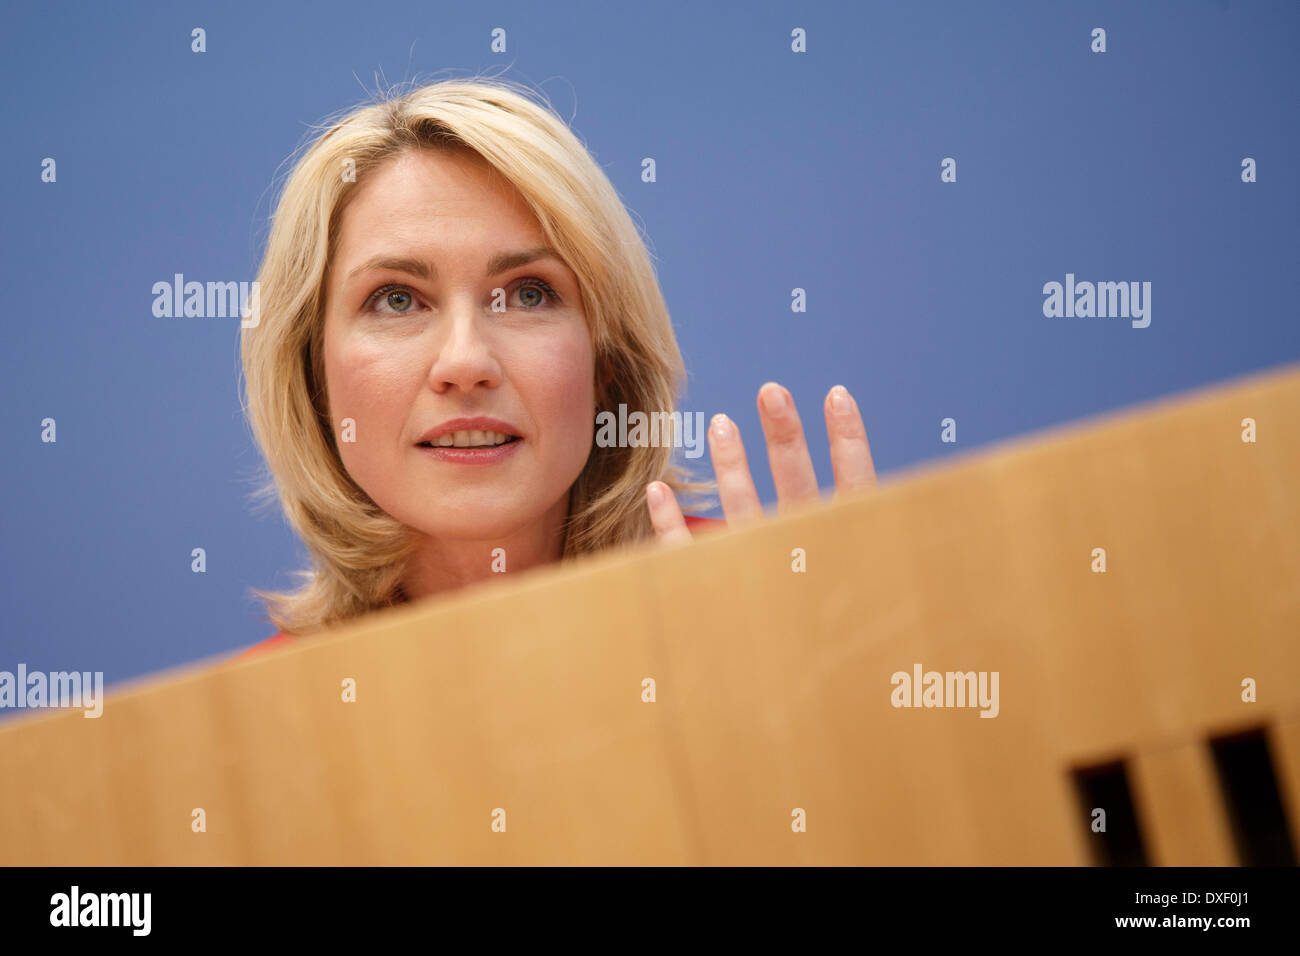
<point x="775" y="170"/>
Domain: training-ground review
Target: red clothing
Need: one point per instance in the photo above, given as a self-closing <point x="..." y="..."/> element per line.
<point x="694" y="522"/>
<point x="279" y="640"/>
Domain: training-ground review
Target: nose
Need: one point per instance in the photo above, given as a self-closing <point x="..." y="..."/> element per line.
<point x="465" y="356"/>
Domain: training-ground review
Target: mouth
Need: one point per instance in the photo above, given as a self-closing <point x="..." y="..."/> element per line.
<point x="471" y="447"/>
<point x="471" y="439"/>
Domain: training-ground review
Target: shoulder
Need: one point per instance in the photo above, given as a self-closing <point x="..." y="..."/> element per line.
<point x="282" y="639"/>
<point x="278" y="640"/>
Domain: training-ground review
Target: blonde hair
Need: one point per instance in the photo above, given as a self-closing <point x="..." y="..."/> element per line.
<point x="359" y="553"/>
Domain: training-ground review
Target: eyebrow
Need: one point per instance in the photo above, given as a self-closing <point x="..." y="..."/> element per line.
<point x="501" y="262"/>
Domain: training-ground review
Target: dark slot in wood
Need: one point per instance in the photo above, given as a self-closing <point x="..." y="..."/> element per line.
<point x="1106" y="787"/>
<point x="1254" y="804"/>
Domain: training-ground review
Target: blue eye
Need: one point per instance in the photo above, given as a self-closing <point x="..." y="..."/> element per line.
<point x="540" y="293"/>
<point x="398" y="299"/>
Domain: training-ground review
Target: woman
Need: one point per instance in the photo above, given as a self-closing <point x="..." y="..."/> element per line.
<point x="451" y="292"/>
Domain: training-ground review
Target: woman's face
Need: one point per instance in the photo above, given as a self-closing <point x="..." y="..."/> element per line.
<point x="442" y="303"/>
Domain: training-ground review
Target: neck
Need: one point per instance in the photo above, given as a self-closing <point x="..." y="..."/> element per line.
<point x="442" y="565"/>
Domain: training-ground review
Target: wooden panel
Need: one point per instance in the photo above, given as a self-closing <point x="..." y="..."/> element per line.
<point x="1284" y="751"/>
<point x="774" y="688"/>
<point x="1181" y="807"/>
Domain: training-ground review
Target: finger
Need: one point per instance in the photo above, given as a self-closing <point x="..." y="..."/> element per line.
<point x="740" y="501"/>
<point x="850" y="452"/>
<point x="665" y="515"/>
<point x="787" y="452"/>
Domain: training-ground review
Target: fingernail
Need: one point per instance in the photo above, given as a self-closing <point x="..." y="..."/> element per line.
<point x="655" y="494"/>
<point x="776" y="401"/>
<point x="840" y="400"/>
<point x="721" y="426"/>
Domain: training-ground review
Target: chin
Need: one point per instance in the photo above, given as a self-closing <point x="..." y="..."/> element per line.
<point x="471" y="521"/>
<point x="457" y="530"/>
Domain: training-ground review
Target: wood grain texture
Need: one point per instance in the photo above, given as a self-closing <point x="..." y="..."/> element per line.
<point x="773" y="688"/>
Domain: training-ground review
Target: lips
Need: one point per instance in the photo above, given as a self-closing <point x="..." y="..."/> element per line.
<point x="471" y="441"/>
<point x="486" y="455"/>
<point x="480" y="432"/>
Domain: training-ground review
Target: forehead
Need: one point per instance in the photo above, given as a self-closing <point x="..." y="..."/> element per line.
<point x="426" y="195"/>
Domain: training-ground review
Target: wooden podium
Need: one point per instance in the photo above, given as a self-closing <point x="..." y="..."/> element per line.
<point x="513" y="723"/>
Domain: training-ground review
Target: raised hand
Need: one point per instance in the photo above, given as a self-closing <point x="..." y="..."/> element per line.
<point x="787" y="453"/>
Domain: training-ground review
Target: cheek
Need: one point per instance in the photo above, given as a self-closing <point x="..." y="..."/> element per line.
<point x="370" y="385"/>
<point x="564" y="394"/>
